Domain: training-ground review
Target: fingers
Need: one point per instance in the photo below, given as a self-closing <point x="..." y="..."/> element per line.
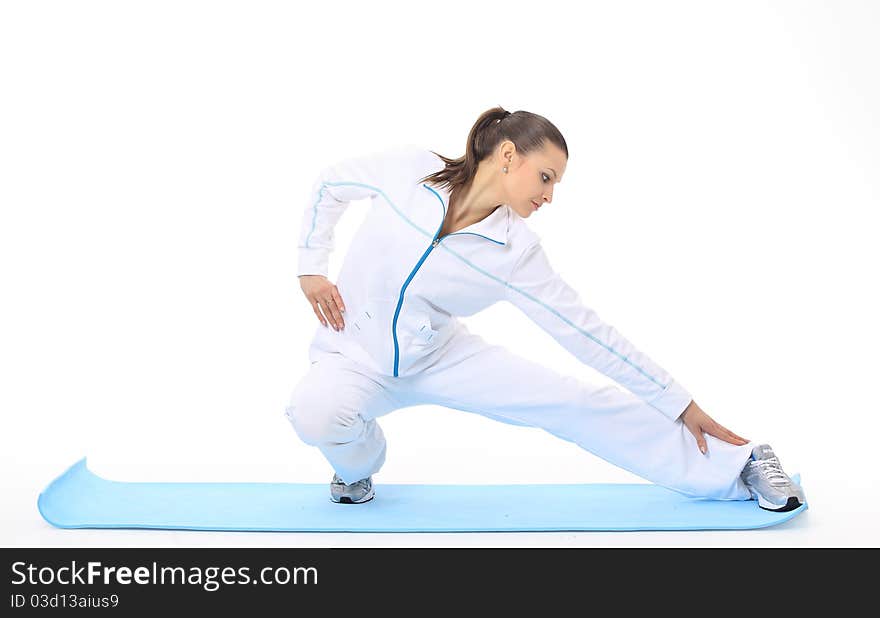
<point x="331" y="312"/>
<point x="697" y="432"/>
<point x="725" y="434"/>
<point x="321" y="310"/>
<point x="326" y="318"/>
<point x="318" y="313"/>
<point x="325" y="300"/>
<point x="337" y="307"/>
<point x="335" y="316"/>
<point x="701" y="441"/>
<point x="338" y="300"/>
<point x="717" y="431"/>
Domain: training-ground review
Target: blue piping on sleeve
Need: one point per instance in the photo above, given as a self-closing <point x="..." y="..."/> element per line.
<point x="356" y="184"/>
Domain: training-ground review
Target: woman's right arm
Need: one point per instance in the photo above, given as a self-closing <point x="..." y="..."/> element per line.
<point x="354" y="178"/>
<point x="337" y="185"/>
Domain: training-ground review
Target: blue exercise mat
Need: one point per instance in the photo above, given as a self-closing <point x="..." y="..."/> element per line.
<point x="81" y="499"/>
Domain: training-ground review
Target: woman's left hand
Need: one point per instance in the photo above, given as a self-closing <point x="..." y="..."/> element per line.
<point x="697" y="421"/>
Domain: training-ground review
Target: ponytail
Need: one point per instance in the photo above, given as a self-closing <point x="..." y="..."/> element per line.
<point x="526" y="130"/>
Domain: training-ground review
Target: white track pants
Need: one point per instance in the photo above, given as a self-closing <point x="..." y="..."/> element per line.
<point x="336" y="404"/>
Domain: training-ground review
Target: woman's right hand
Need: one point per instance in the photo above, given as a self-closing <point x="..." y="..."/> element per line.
<point x="323" y="295"/>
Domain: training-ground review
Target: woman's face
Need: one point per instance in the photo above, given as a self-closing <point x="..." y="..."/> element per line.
<point x="530" y="178"/>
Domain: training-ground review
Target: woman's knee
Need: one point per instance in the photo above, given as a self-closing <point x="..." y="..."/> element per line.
<point x="323" y="422"/>
<point x="331" y="404"/>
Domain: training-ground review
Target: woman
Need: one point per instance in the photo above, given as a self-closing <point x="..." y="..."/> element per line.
<point x="447" y="238"/>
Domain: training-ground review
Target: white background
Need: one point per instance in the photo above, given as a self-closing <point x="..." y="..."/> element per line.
<point x="719" y="209"/>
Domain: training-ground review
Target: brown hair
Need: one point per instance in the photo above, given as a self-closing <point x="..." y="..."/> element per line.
<point x="526" y="130"/>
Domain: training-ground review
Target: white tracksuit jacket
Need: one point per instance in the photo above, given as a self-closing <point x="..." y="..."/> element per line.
<point x="404" y="287"/>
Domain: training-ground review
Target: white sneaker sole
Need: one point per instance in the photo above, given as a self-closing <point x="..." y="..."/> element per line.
<point x="791" y="505"/>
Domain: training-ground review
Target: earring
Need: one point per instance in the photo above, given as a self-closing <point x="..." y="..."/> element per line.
<point x="505" y="170"/>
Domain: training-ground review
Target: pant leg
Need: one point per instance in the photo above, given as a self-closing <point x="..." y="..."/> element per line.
<point x="334" y="407"/>
<point x="608" y="421"/>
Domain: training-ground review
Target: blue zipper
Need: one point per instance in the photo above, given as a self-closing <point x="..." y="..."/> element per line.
<point x="434" y="243"/>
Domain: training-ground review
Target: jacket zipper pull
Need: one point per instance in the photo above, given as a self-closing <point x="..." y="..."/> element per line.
<point x="436" y="242"/>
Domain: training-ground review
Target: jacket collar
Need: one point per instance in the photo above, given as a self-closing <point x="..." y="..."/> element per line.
<point x="495" y="227"/>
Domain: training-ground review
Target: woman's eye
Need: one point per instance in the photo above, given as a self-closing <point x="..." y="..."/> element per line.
<point x="545" y="176"/>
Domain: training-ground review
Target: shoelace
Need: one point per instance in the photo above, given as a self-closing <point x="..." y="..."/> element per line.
<point x="773" y="471"/>
<point x="339" y="481"/>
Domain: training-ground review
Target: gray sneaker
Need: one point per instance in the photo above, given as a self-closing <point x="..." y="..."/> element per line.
<point x="361" y="491"/>
<point x="769" y="484"/>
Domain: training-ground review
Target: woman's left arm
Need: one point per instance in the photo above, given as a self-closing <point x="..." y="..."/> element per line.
<point x="539" y="292"/>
